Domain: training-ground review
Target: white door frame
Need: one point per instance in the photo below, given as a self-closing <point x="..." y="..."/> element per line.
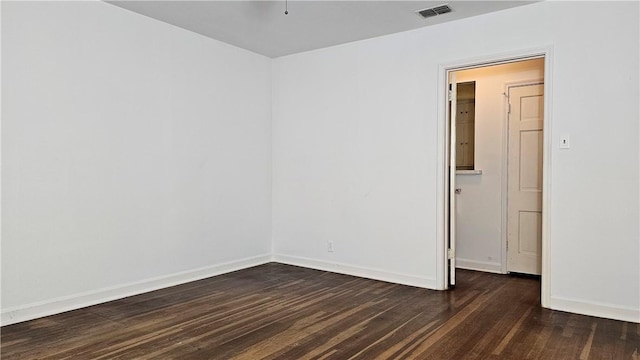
<point x="441" y="172"/>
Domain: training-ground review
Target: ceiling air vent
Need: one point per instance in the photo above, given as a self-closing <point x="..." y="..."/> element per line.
<point x="437" y="10"/>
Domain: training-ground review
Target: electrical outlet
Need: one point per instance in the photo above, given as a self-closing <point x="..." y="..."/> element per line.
<point x="330" y="246"/>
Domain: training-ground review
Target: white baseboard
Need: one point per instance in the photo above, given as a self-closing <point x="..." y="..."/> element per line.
<point x="89" y="298"/>
<point x="607" y="311"/>
<point x="340" y="268"/>
<point x="77" y="301"/>
<point x="486" y="266"/>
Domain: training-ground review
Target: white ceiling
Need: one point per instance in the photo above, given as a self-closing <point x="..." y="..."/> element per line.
<point x="262" y="26"/>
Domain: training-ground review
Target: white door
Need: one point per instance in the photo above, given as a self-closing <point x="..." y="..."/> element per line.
<point x="452" y="178"/>
<point x="524" y="189"/>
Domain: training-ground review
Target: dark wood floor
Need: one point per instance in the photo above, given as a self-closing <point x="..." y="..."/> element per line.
<point x="277" y="311"/>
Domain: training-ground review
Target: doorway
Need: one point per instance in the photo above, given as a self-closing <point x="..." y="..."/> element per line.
<point x="475" y="171"/>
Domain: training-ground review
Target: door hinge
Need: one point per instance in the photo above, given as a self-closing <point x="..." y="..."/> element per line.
<point x="450" y="95"/>
<point x="509" y="112"/>
<point x="451" y="254"/>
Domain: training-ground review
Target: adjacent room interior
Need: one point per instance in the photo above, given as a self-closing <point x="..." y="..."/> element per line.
<point x="223" y="165"/>
<point x="488" y="117"/>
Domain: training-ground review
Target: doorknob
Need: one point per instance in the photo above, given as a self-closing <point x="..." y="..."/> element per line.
<point x="458" y="190"/>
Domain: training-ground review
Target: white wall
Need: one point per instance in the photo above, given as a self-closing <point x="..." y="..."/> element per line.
<point x="355" y="145"/>
<point x="352" y="162"/>
<point x="134" y="155"/>
<point x="479" y="222"/>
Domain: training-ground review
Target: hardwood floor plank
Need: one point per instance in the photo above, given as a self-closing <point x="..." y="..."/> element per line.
<point x="584" y="355"/>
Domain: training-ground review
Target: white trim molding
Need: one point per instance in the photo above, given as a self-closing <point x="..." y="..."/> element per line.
<point x="468" y="172"/>
<point x="486" y="266"/>
<point x="89" y="298"/>
<point x="607" y="311"/>
<point x="363" y="272"/>
<point x="81" y="300"/>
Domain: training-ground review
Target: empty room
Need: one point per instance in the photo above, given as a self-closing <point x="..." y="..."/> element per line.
<point x="320" y="180"/>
